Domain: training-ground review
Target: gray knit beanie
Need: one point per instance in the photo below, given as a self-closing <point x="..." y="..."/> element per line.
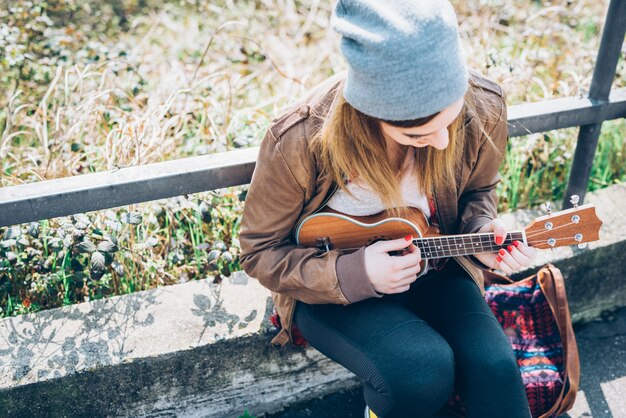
<point x="404" y="56"/>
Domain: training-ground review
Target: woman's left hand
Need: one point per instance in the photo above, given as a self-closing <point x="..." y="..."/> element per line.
<point x="514" y="257"/>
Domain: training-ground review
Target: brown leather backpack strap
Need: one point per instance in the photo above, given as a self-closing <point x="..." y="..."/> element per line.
<point x="546" y="280"/>
<point x="570" y="348"/>
<point x="551" y="281"/>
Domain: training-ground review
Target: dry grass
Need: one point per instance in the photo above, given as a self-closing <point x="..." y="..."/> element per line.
<point x="208" y="78"/>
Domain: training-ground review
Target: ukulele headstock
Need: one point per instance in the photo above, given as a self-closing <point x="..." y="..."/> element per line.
<point x="578" y="225"/>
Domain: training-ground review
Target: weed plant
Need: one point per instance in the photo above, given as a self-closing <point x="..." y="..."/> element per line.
<point x="90" y="86"/>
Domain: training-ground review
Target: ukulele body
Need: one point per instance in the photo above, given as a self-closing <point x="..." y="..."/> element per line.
<point x="331" y="229"/>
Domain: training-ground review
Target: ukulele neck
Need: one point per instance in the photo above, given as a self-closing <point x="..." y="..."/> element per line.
<point x="458" y="245"/>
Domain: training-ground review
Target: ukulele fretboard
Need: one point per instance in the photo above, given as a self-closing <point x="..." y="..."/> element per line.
<point x="458" y="245"/>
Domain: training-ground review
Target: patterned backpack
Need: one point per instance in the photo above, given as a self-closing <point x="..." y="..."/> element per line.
<point x="535" y="316"/>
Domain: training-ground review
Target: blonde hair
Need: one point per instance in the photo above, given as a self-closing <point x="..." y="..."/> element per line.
<point x="351" y="144"/>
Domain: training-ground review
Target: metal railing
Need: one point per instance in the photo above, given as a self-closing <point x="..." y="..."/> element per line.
<point x="603" y="75"/>
<point x="89" y="192"/>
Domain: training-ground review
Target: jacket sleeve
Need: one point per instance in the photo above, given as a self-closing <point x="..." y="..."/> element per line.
<point x="274" y="202"/>
<point x="479" y="202"/>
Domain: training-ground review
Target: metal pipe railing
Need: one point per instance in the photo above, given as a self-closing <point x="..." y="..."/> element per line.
<point x="89" y="192"/>
<point x="603" y="75"/>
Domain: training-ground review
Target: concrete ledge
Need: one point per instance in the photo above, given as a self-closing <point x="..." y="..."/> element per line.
<point x="193" y="349"/>
<point x="200" y="349"/>
<point x="218" y="380"/>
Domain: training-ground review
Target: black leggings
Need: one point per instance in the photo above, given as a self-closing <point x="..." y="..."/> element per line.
<point x="408" y="348"/>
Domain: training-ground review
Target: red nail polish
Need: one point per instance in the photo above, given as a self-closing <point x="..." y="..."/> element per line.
<point x="510" y="248"/>
<point x="501" y="252"/>
<point x="498" y="259"/>
<point x="499" y="240"/>
<point x="516" y="243"/>
<point x="408" y="238"/>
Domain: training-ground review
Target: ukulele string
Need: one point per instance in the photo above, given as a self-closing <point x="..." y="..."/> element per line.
<point x="553" y="229"/>
<point x="446" y="250"/>
<point x="435" y="248"/>
<point x="528" y="236"/>
<point x="483" y="240"/>
<point x="491" y="246"/>
<point x="531" y="235"/>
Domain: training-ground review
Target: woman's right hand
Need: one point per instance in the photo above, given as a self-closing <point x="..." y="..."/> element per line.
<point x="392" y="274"/>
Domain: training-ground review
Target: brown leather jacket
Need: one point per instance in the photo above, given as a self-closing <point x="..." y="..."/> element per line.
<point x="286" y="187"/>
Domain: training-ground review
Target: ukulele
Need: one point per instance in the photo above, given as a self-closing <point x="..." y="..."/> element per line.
<point x="328" y="229"/>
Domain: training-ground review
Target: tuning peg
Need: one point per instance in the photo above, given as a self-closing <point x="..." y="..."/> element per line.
<point x="574" y="200"/>
<point x="583" y="245"/>
<point x="548" y="207"/>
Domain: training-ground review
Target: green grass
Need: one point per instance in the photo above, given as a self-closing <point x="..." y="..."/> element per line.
<point x="173" y="241"/>
<point x="537" y="167"/>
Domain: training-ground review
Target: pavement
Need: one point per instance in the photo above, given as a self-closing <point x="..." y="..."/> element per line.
<point x="602" y="392"/>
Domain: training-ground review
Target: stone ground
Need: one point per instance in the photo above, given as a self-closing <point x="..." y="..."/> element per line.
<point x="602" y="394"/>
